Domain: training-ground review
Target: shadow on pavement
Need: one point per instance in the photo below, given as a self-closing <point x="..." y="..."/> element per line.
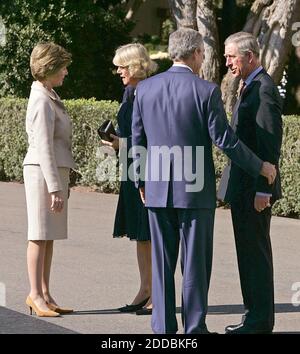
<point x="98" y="312"/>
<point x="213" y="310"/>
<point x="239" y="309"/>
<point x="18" y="323"/>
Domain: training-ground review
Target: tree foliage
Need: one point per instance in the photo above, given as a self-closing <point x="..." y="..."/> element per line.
<point x="90" y="29"/>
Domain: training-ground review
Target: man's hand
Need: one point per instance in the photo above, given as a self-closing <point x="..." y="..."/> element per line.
<point x="142" y="194"/>
<point x="57" y="202"/>
<point x="261" y="202"/>
<point x="114" y="144"/>
<point x="269" y="171"/>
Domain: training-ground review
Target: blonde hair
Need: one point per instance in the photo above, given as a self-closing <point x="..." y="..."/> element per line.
<point x="136" y="58"/>
<point x="47" y="59"/>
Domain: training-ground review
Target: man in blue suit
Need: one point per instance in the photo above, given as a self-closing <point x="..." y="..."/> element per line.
<point x="177" y="116"/>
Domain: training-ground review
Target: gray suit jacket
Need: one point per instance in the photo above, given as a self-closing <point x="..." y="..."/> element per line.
<point x="49" y="135"/>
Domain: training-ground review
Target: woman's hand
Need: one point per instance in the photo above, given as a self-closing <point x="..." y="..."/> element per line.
<point x="57" y="202"/>
<point x="114" y="144"/>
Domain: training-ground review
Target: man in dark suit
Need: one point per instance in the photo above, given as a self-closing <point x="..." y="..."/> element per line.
<point x="176" y="116"/>
<point x="257" y="123"/>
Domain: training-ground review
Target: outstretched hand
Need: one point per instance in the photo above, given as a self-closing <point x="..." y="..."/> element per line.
<point x="269" y="171"/>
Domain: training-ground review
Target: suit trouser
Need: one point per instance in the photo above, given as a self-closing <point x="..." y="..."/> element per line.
<point x="254" y="253"/>
<point x="194" y="229"/>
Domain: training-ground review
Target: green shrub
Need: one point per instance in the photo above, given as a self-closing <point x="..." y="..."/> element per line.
<point x="91" y="30"/>
<point x="290" y="169"/>
<point x="12" y="138"/>
<point x="163" y="64"/>
<point x="289" y="204"/>
<point x="87" y="115"/>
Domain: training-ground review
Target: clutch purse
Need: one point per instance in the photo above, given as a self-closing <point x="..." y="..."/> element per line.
<point x="106" y="129"/>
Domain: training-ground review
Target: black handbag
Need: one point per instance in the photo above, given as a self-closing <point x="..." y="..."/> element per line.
<point x="106" y="129"/>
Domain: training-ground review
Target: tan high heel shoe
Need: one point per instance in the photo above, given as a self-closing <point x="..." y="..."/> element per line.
<point x="58" y="309"/>
<point x="39" y="313"/>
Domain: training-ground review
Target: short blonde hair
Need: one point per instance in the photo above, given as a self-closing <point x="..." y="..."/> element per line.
<point x="136" y="58"/>
<point x="48" y="58"/>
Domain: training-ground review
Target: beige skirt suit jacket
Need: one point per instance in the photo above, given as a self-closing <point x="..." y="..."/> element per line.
<point x="47" y="163"/>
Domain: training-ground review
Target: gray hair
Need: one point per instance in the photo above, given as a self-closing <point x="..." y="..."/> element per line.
<point x="245" y="42"/>
<point x="183" y="43"/>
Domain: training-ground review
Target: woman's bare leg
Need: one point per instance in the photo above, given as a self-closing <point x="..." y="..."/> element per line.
<point x="144" y="263"/>
<point x="35" y="262"/>
<point x="46" y="272"/>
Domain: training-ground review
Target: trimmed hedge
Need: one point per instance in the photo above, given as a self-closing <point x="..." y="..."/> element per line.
<point x="289" y="165"/>
<point x="87" y="115"/>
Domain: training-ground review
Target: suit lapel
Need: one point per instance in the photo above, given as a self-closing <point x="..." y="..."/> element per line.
<point x="235" y="115"/>
<point x="234" y="119"/>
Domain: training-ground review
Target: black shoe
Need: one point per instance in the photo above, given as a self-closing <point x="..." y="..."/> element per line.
<point x="134" y="308"/>
<point x="144" y="311"/>
<point x="232" y="327"/>
<point x="244" y="329"/>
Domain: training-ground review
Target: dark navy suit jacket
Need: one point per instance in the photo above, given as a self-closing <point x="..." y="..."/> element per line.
<point x="177" y="108"/>
<point x="257" y="122"/>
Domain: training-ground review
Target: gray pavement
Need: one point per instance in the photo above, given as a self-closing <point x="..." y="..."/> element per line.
<point x="95" y="274"/>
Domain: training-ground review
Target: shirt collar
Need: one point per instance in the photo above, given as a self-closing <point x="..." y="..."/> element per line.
<point x="252" y="75"/>
<point x="182" y="65"/>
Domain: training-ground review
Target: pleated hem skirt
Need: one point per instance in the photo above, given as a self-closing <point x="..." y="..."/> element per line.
<point x="44" y="224"/>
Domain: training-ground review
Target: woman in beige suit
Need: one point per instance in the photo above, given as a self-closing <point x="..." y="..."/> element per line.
<point x="46" y="172"/>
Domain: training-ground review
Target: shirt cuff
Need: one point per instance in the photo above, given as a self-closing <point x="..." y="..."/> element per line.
<point x="263" y="194"/>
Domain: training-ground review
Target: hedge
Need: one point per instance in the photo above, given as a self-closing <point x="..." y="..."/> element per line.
<point x="86" y="117"/>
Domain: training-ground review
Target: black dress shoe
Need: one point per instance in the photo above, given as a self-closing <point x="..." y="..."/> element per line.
<point x="144" y="311"/>
<point x="232" y="327"/>
<point x="244" y="329"/>
<point x="134" y="308"/>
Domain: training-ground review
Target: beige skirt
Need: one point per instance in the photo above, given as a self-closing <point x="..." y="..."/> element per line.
<point x="44" y="224"/>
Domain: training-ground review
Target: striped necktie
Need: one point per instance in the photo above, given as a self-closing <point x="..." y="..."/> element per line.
<point x="242" y="89"/>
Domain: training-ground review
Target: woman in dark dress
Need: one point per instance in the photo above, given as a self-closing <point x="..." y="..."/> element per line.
<point x="134" y="65"/>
